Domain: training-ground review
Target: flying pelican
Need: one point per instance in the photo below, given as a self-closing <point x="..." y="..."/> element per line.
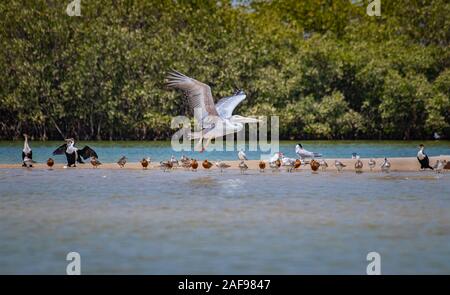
<point x="358" y="165"/>
<point x="339" y="165"/>
<point x="302" y="153"/>
<point x="242" y="156"/>
<point x="50" y="163"/>
<point x="372" y="164"/>
<point x="386" y="166"/>
<point x="323" y="164"/>
<point x="27" y="153"/>
<point x="423" y="158"/>
<point x="243" y="167"/>
<point x="122" y="161"/>
<point x="95" y="162"/>
<point x="222" y="165"/>
<point x="74" y="154"/>
<point x="262" y="166"/>
<point x="215" y="120"/>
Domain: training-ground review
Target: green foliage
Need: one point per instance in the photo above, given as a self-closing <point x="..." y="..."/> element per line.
<point x="325" y="67"/>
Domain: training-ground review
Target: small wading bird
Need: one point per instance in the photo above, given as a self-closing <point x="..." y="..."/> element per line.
<point x="323" y="165"/>
<point x="275" y="165"/>
<point x="242" y="156"/>
<point x="358" y="165"/>
<point x="122" y="161"/>
<point x="207" y="164"/>
<point x="27" y="153"/>
<point x="186" y="164"/>
<point x="194" y="165"/>
<point x="423" y="158"/>
<point x="386" y="166"/>
<point x="372" y="164"/>
<point x="262" y="166"/>
<point x="243" y="167"/>
<point x="222" y="165"/>
<point x="145" y="162"/>
<point x="302" y="153"/>
<point x="339" y="165"/>
<point x="314" y="165"/>
<point x="289" y="163"/>
<point x="439" y="166"/>
<point x="95" y="162"/>
<point x="166" y="165"/>
<point x="214" y="120"/>
<point x="73" y="154"/>
<point x="50" y="163"/>
<point x="447" y="166"/>
<point x="174" y="161"/>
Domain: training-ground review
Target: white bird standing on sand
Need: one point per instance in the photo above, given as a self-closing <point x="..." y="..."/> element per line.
<point x="242" y="156"/>
<point x="386" y="166"/>
<point x="213" y="120"/>
<point x="339" y="165"/>
<point x="27" y="154"/>
<point x="323" y="164"/>
<point x="439" y="166"/>
<point x="372" y="164"/>
<point x="222" y="165"/>
<point x="302" y="153"/>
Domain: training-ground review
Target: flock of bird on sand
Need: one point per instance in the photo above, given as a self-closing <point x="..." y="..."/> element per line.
<point x="217" y="120"/>
<point x="275" y="163"/>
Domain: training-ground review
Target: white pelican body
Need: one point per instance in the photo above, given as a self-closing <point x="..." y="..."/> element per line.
<point x="214" y="120"/>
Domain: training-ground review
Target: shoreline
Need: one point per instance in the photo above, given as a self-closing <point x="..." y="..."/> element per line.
<point x="409" y="164"/>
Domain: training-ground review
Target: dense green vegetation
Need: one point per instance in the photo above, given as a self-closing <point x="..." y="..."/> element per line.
<point x="325" y="67"/>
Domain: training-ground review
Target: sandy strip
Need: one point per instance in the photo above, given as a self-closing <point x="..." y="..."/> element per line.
<point x="397" y="164"/>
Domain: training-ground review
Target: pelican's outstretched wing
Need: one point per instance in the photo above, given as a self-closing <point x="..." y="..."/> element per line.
<point x="61" y="150"/>
<point x="198" y="94"/>
<point x="226" y="105"/>
<point x="87" y="152"/>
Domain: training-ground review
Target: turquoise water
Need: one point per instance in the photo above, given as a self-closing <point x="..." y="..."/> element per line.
<point x="151" y="222"/>
<point x="10" y="152"/>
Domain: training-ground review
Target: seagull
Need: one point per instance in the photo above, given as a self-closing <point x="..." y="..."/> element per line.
<point x="242" y="156"/>
<point x="145" y="162"/>
<point x="314" y="165"/>
<point x="122" y="161"/>
<point x="359" y="165"/>
<point x="386" y="166"/>
<point x="302" y="153"/>
<point x="243" y="167"/>
<point x="262" y="166"/>
<point x="439" y="166"/>
<point x="74" y="154"/>
<point x="222" y="165"/>
<point x="215" y="120"/>
<point x="423" y="158"/>
<point x="95" y="162"/>
<point x="27" y="152"/>
<point x="372" y="164"/>
<point x="339" y="165"/>
<point x="323" y="164"/>
<point x="50" y="163"/>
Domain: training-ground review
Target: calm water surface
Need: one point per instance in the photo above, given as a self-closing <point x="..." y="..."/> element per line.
<point x="151" y="222"/>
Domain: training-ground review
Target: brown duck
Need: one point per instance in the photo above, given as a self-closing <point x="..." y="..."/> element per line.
<point x="95" y="162"/>
<point x="206" y="164"/>
<point x="262" y="166"/>
<point x="50" y="162"/>
<point x="297" y="164"/>
<point x="194" y="165"/>
<point x="314" y="165"/>
<point x="145" y="162"/>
